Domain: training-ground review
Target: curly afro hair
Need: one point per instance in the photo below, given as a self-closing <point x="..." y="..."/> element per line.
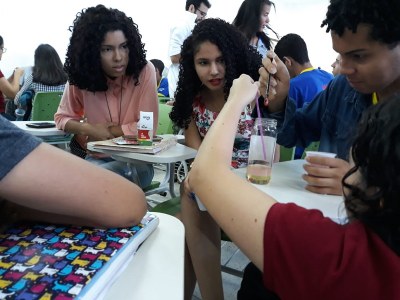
<point x="83" y="62"/>
<point x="375" y="198"/>
<point x="382" y="16"/>
<point x="239" y="57"/>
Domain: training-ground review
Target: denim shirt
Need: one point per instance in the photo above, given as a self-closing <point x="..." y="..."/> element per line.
<point x="330" y="118"/>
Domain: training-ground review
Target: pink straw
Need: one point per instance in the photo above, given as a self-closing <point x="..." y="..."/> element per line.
<point x="261" y="132"/>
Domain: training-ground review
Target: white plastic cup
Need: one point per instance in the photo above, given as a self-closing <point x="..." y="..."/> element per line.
<point x="320" y="154"/>
<point x="19" y="114"/>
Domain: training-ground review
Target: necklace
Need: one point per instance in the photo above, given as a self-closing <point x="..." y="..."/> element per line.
<point x="120" y="106"/>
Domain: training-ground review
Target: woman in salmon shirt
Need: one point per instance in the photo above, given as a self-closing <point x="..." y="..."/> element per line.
<point x="110" y="82"/>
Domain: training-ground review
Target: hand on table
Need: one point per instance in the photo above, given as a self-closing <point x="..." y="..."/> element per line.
<point x="326" y="178"/>
<point x="100" y="132"/>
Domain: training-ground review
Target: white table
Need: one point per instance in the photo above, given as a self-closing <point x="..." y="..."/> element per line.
<point x="168" y="157"/>
<point x="49" y="135"/>
<point x="39" y="132"/>
<point x="286" y="185"/>
<point x="157" y="270"/>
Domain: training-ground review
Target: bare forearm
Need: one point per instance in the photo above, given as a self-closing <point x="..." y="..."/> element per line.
<point x="238" y="207"/>
<point x="232" y="202"/>
<point x="76" y="127"/>
<point x="95" y="132"/>
<point x="11" y="87"/>
<point x="22" y="213"/>
<point x="80" y="190"/>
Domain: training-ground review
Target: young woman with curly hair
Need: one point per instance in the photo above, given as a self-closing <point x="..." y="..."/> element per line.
<point x="251" y="19"/>
<point x="110" y="82"/>
<point x="211" y="58"/>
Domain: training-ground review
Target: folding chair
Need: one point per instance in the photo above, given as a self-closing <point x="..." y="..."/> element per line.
<point x="44" y="106"/>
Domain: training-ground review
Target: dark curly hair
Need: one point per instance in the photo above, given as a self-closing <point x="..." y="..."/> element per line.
<point x="83" y="62"/>
<point x="239" y="58"/>
<point x="382" y="16"/>
<point x="375" y="198"/>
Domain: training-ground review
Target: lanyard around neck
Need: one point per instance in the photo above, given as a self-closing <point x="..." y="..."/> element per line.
<point x="307" y="70"/>
<point x="374" y="98"/>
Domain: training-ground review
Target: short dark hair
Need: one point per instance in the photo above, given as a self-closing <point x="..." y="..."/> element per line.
<point x="158" y="64"/>
<point x="374" y="198"/>
<point x="1" y="40"/>
<point x="83" y="62"/>
<point x="197" y="3"/>
<point x="382" y="16"/>
<point x="294" y="46"/>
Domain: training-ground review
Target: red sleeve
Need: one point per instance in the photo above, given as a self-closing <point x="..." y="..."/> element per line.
<point x="308" y="256"/>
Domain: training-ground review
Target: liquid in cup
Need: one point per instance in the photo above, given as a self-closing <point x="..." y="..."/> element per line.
<point x="258" y="172"/>
<point x="261" y="151"/>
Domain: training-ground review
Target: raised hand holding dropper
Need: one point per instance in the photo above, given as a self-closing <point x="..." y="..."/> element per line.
<point x="276" y="85"/>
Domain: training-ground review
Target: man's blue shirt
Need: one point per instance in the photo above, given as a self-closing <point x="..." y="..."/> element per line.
<point x="330" y="118"/>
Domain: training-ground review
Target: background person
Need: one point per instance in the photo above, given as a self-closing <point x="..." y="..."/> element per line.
<point x="110" y="82"/>
<point x="211" y="58"/>
<point x="47" y="75"/>
<point x="195" y="11"/>
<point x="305" y="80"/>
<point x="162" y="82"/>
<point x="336" y="66"/>
<point x="252" y="19"/>
<point x="8" y="87"/>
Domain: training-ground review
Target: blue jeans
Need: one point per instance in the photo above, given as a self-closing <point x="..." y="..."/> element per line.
<point x="140" y="173"/>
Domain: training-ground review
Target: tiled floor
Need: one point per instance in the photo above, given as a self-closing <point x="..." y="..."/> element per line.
<point x="231" y="256"/>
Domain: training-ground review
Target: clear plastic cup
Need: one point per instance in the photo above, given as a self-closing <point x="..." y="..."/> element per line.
<point x="261" y="151"/>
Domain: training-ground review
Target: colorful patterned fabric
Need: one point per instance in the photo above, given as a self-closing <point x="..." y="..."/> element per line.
<point x="204" y="118"/>
<point x="61" y="262"/>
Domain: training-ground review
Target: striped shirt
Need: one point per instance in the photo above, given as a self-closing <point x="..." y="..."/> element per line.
<point x="37" y="87"/>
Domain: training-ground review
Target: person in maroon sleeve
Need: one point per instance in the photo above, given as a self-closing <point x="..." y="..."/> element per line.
<point x="366" y="35"/>
<point x="302" y="254"/>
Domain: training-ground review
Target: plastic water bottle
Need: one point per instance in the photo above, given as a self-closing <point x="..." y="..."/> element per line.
<point x="20" y="113"/>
